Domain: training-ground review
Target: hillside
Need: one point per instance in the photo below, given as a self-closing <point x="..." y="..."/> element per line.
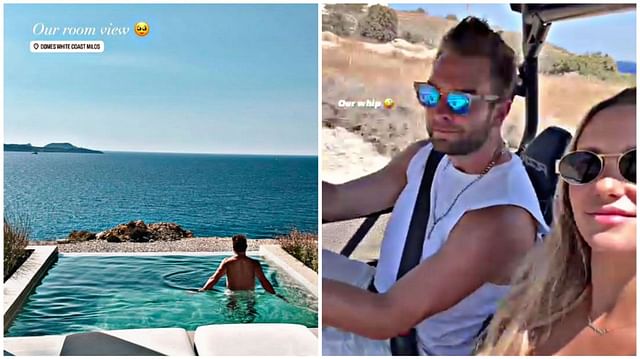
<point x="426" y="29"/>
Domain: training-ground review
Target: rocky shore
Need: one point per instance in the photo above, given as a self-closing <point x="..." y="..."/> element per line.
<point x="137" y="236"/>
<point x="134" y="231"/>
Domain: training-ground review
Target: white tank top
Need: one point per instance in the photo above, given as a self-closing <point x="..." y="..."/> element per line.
<point x="453" y="331"/>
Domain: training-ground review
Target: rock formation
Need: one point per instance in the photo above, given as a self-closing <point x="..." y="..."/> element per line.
<point x="134" y="231"/>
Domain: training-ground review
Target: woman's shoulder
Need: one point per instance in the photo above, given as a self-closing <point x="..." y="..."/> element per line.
<point x="615" y="342"/>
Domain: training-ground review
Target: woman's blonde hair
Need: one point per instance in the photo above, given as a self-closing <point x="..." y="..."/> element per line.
<point x="554" y="278"/>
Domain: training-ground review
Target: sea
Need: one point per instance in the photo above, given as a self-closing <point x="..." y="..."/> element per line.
<point x="626" y="67"/>
<point x="210" y="195"/>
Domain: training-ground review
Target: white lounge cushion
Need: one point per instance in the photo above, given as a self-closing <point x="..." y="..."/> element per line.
<point x="45" y="345"/>
<point x="255" y="339"/>
<point x="167" y="341"/>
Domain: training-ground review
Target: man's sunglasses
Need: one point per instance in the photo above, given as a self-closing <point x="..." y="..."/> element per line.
<point x="459" y="102"/>
<point x="582" y="167"/>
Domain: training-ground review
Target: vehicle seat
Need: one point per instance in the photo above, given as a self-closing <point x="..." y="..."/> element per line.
<point x="539" y="159"/>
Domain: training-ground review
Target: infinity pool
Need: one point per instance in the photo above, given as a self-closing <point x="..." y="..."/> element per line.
<point x="88" y="293"/>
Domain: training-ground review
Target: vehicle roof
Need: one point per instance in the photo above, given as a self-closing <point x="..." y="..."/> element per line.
<point x="555" y="12"/>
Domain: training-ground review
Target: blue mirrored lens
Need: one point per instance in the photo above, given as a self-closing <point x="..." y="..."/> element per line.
<point x="459" y="103"/>
<point x="429" y="96"/>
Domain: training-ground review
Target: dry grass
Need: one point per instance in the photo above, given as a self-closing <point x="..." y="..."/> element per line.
<point x="16" y="239"/>
<point x="433" y="28"/>
<point x="303" y="246"/>
<point x="568" y="98"/>
<point x="352" y="72"/>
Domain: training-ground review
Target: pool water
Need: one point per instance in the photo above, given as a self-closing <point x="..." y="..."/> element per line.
<point x="88" y="293"/>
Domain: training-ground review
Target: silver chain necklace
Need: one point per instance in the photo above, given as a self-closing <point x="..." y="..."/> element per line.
<point x="435" y="193"/>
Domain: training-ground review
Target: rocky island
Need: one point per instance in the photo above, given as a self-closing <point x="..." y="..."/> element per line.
<point x="52" y="147"/>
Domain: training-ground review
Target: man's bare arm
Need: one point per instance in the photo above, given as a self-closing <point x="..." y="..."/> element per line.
<point x="485" y="246"/>
<point x="263" y="279"/>
<point x="222" y="270"/>
<point x="372" y="193"/>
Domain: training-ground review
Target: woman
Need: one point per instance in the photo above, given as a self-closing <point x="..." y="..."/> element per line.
<point x="576" y="294"/>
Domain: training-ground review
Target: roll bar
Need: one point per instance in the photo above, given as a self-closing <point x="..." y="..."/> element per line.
<point x="536" y="22"/>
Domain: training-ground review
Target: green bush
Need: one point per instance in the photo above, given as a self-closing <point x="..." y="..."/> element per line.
<point x="597" y="65"/>
<point x="380" y="23"/>
<point x="412" y="37"/>
<point x="420" y="11"/>
<point x="336" y="23"/>
<point x="451" y="17"/>
<point x="303" y="246"/>
<point x="16" y="239"/>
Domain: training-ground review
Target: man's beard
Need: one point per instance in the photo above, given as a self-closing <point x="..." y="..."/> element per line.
<point x="469" y="143"/>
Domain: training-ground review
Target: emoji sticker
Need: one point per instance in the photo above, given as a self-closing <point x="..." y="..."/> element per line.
<point x="388" y="103"/>
<point x="141" y="29"/>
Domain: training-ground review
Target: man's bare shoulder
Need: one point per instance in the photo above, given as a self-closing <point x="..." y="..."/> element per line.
<point x="411" y="150"/>
<point x="416" y="146"/>
<point x="233" y="260"/>
<point x="239" y="259"/>
<point x="508" y="226"/>
<point x="255" y="262"/>
<point x="401" y="160"/>
<point x="492" y="241"/>
<point x="505" y="217"/>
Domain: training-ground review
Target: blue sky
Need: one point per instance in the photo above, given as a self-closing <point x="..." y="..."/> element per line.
<point x="207" y="79"/>
<point x="614" y="34"/>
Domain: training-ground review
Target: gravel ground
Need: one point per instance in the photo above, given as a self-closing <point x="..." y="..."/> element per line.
<point x="336" y="235"/>
<point x="184" y="245"/>
<point x="346" y="156"/>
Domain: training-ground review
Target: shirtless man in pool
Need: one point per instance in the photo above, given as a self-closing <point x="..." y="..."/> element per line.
<point x="241" y="270"/>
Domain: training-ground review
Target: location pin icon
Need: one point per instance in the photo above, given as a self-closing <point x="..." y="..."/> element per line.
<point x="36" y="46"/>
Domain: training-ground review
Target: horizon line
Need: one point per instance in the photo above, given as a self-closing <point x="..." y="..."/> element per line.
<point x="216" y="153"/>
<point x="169" y="151"/>
<point x="195" y="153"/>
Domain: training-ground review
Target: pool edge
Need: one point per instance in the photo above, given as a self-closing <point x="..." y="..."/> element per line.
<point x="17" y="288"/>
<point x="152" y="254"/>
<point x="292" y="266"/>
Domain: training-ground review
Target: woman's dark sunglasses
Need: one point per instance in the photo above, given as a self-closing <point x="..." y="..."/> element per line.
<point x="582" y="167"/>
<point x="459" y="102"/>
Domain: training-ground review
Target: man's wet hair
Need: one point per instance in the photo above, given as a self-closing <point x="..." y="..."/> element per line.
<point x="474" y="37"/>
<point x="239" y="243"/>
